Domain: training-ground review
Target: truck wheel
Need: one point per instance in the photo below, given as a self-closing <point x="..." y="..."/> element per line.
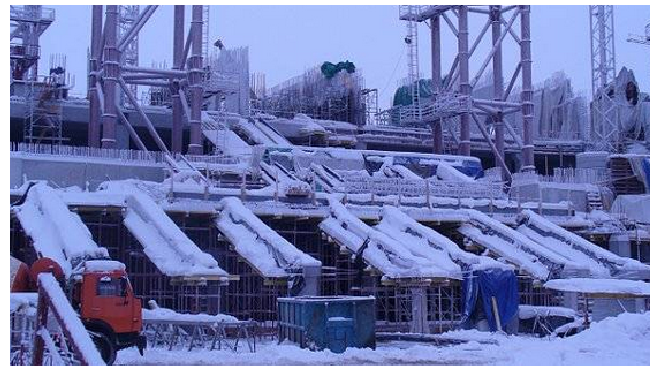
<point x="106" y="349"/>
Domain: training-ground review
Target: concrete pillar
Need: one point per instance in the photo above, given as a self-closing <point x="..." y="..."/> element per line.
<point x="94" y="125"/>
<point x="498" y="83"/>
<point x="436" y="78"/>
<point x="527" y="92"/>
<point x="464" y="77"/>
<point x="177" y="54"/>
<point x="110" y="74"/>
<point x="195" y="82"/>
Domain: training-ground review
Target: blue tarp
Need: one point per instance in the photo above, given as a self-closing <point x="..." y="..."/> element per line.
<point x="642" y="168"/>
<point x="477" y="289"/>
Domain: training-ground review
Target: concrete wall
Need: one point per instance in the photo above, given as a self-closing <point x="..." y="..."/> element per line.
<point x="76" y="172"/>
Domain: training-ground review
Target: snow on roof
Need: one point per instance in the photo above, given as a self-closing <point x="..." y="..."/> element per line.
<point x="267" y="251"/>
<point x="56" y="232"/>
<point x="600" y="286"/>
<point x="576" y="242"/>
<point x="391" y="257"/>
<point x="163" y="242"/>
<point x="416" y="236"/>
<point x="575" y="257"/>
<point x="104" y="266"/>
<point x="77" y="331"/>
<point x="172" y="316"/>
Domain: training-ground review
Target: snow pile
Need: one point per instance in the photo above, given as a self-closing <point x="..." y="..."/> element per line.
<point x="165" y="314"/>
<point x="56" y="232"/>
<point x="104" y="266"/>
<point x="22" y="299"/>
<point x="528" y="311"/>
<point x="263" y="248"/>
<point x="600" y="286"/>
<point x="573" y="241"/>
<point x="393" y="258"/>
<point x="78" y="333"/>
<point x="449" y="173"/>
<point x="163" y="242"/>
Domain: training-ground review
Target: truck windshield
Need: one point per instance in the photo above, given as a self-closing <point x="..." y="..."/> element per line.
<point x="107" y="286"/>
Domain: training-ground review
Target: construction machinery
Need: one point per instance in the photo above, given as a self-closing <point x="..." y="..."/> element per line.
<point x="101" y="294"/>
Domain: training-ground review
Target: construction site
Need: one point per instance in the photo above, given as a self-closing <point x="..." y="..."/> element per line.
<point x="188" y="211"/>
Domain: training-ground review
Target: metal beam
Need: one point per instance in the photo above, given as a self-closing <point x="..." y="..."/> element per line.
<point x="436" y="78"/>
<point x="195" y="79"/>
<point x="94" y="125"/>
<point x="493" y="148"/>
<point x="137" y="26"/>
<point x="150" y="127"/>
<point x="498" y="80"/>
<point x="110" y="75"/>
<point x="451" y="25"/>
<point x="186" y="49"/>
<point x="131" y="131"/>
<point x="177" y="57"/>
<point x="527" y="91"/>
<point x="512" y="82"/>
<point x="154" y="71"/>
<point x="497" y="45"/>
<point x="464" y="76"/>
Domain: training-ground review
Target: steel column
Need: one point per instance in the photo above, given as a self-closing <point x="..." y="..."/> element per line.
<point x="498" y="82"/>
<point x="177" y="51"/>
<point x="527" y="92"/>
<point x="436" y="77"/>
<point x="94" y="125"/>
<point x="110" y="75"/>
<point x="195" y="80"/>
<point x="464" y="77"/>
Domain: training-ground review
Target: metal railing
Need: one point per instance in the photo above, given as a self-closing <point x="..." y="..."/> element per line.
<point x="437" y="188"/>
<point x="22" y="12"/>
<point x="122" y="155"/>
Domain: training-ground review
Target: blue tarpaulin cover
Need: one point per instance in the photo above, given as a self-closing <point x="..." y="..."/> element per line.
<point x="484" y="284"/>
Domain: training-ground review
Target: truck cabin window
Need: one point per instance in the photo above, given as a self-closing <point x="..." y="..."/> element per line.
<point x="107" y="286"/>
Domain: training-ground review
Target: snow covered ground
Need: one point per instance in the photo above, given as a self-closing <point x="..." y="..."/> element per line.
<point x="622" y="340"/>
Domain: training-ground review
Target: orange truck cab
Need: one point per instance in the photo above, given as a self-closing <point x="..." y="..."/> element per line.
<point x="102" y="294"/>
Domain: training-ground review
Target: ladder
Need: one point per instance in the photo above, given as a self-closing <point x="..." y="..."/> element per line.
<point x="413" y="63"/>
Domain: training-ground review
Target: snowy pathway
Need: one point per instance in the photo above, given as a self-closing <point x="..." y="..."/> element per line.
<point x="623" y="340"/>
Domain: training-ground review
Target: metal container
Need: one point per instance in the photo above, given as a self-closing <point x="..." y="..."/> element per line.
<point x="333" y="322"/>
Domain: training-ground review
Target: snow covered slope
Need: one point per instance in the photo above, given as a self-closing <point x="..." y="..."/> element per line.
<point x="265" y="250"/>
<point x="395" y="259"/>
<point x="421" y="239"/>
<point x="513" y="246"/>
<point x="218" y="133"/>
<point x="56" y="232"/>
<point x="164" y="243"/>
<point x="576" y="248"/>
<point x="261" y="133"/>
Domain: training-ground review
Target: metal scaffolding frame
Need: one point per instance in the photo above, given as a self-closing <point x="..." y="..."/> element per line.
<point x="107" y="74"/>
<point x="27" y="24"/>
<point x="453" y="95"/>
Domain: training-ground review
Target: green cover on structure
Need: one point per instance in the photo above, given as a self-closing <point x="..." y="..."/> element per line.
<point x="402" y="97"/>
<point x="329" y="70"/>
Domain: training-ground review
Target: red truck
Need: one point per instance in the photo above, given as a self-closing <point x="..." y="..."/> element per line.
<point x="99" y="290"/>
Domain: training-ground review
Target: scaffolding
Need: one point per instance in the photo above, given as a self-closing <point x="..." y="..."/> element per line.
<point x="43" y="108"/>
<point x="27" y="23"/>
<point x="128" y="15"/>
<point x="311" y="93"/>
